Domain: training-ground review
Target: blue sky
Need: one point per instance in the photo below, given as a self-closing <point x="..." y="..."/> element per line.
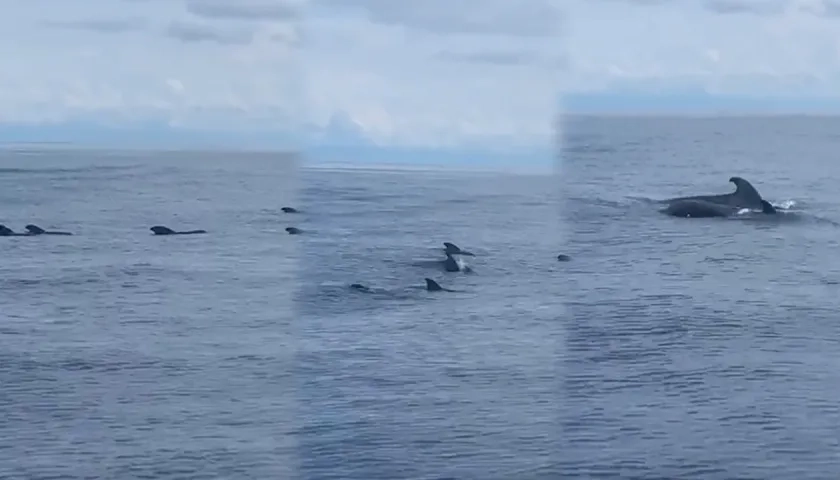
<point x="428" y="73"/>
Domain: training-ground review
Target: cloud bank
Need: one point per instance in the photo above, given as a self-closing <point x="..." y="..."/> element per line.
<point x="426" y="73"/>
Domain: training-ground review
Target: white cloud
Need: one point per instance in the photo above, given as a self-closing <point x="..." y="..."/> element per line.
<point x="427" y="72"/>
<point x="121" y="59"/>
<point x="434" y="71"/>
<point x="764" y="47"/>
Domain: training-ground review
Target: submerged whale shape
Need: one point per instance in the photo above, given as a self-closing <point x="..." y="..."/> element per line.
<point x="161" y="230"/>
<point x="36" y="230"/>
<point x="293" y="231"/>
<point x="360" y="287"/>
<point x="289" y="210"/>
<point x="744" y="196"/>
<point x="563" y="258"/>
<point x="8" y="232"/>
<point x="452" y="249"/>
<point x="433" y="286"/>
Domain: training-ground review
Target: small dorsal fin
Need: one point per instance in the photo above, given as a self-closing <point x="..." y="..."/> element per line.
<point x="161" y="230"/>
<point x="35" y="229"/>
<point x="432" y="285"/>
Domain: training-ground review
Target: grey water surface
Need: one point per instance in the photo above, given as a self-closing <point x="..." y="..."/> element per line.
<point x="701" y="348"/>
<point x="665" y="349"/>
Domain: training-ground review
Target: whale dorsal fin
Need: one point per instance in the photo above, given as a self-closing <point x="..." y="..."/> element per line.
<point x="35" y="229"/>
<point x="161" y="230"/>
<point x="432" y="285"/>
<point x="745" y="191"/>
<point x="767" y="207"/>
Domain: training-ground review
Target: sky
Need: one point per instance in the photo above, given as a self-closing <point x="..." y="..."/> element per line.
<point x="409" y="74"/>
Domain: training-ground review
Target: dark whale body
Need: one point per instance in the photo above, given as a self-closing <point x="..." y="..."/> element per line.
<point x="744" y="196"/>
<point x="563" y="258"/>
<point x="701" y="209"/>
<point x="289" y="210"/>
<point x="293" y="231"/>
<point x="161" y="230"/>
<point x="724" y="205"/>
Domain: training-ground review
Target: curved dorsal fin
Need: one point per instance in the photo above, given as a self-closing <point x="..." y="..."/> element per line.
<point x="161" y="230"/>
<point x="432" y="285"/>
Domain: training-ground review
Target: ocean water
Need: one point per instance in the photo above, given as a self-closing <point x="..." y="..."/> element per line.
<point x="124" y="355"/>
<point x="665" y="349"/>
<point x="700" y="348"/>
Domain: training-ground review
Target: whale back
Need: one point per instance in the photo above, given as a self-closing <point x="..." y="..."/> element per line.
<point x="744" y="196"/>
<point x="5" y="231"/>
<point x="698" y="209"/>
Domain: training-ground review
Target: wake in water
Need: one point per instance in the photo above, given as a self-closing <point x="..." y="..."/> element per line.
<point x="787" y="211"/>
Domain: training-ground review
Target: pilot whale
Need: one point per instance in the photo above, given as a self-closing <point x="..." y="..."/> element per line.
<point x="745" y="196"/>
<point x="161" y="230"/>
<point x="36" y="230"/>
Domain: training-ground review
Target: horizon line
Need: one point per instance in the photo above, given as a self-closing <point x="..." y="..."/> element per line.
<point x="699" y="113"/>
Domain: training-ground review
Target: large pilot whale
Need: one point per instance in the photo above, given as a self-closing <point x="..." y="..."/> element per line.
<point x="722" y="205"/>
<point x="161" y="230"/>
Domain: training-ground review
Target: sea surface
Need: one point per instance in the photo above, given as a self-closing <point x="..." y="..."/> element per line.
<point x="666" y="348"/>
